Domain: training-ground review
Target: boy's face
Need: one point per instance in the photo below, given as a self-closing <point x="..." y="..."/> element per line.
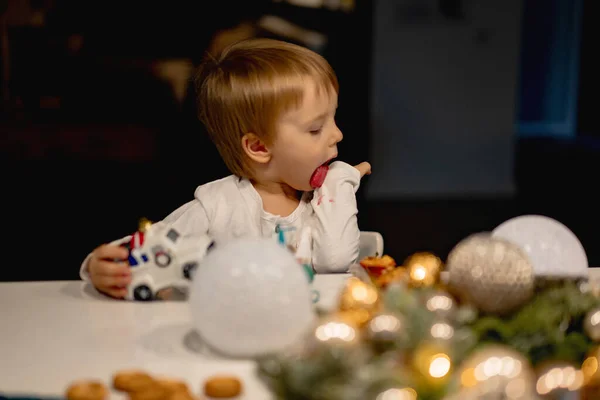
<point x="306" y="138"/>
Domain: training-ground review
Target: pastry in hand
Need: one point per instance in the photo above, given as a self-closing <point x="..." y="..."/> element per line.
<point x="377" y="265"/>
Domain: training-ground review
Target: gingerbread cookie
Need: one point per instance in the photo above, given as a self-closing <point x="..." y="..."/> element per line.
<point x="173" y="385"/>
<point x="133" y="381"/>
<point x="222" y="387"/>
<point x="153" y="391"/>
<point x="180" y="395"/>
<point x="87" y="390"/>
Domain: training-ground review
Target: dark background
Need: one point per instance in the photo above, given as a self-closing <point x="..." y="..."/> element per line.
<point x="91" y="139"/>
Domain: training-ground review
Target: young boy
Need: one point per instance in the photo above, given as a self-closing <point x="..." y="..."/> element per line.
<point x="269" y="107"/>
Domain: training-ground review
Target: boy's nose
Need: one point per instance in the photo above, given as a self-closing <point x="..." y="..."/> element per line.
<point x="337" y="136"/>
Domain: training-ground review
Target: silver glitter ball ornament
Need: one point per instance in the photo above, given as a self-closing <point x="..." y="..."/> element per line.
<point x="493" y="274"/>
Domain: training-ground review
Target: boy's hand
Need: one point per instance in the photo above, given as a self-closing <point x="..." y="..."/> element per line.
<point x="109" y="276"/>
<point x="364" y="168"/>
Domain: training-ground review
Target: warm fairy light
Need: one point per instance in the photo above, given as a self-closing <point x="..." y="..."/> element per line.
<point x="363" y="294"/>
<point x="440" y="365"/>
<point x="358" y="295"/>
<point x="439" y="303"/>
<point x="335" y="331"/>
<point x="385" y="323"/>
<point x="507" y="366"/>
<point x="398" y="394"/>
<point x="595" y="318"/>
<point x="418" y="272"/>
<point x="567" y="378"/>
<point x="442" y="330"/>
<point x="589" y="367"/>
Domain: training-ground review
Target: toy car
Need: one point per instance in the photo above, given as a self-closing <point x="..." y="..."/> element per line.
<point x="160" y="258"/>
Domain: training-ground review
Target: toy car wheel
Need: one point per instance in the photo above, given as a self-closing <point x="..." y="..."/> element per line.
<point x="188" y="270"/>
<point x="162" y="259"/>
<point x="143" y="293"/>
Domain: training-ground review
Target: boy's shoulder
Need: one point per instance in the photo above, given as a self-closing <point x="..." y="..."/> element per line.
<point x="219" y="188"/>
<point x="226" y="196"/>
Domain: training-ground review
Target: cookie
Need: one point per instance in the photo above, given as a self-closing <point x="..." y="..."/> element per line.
<point x="181" y="395"/>
<point x="132" y="381"/>
<point x="172" y="385"/>
<point x="222" y="387"/>
<point x="154" y="391"/>
<point x="87" y="390"/>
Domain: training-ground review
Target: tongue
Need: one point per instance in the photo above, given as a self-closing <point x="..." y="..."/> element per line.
<point x="318" y="177"/>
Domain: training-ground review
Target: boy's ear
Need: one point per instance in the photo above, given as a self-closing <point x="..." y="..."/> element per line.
<point x="255" y="148"/>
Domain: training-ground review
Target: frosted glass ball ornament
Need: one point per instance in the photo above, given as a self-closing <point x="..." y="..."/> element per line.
<point x="553" y="249"/>
<point x="250" y="297"/>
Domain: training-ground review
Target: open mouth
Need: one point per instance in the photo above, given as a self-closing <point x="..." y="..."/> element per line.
<point x="318" y="177"/>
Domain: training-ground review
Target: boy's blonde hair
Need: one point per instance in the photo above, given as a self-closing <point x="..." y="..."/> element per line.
<point x="249" y="87"/>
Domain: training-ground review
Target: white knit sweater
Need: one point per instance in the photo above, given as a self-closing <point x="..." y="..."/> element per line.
<point x="230" y="208"/>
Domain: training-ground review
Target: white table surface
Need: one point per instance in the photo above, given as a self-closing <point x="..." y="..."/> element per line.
<point x="53" y="333"/>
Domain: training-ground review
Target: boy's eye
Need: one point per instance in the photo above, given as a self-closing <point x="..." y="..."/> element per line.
<point x="316" y="131"/>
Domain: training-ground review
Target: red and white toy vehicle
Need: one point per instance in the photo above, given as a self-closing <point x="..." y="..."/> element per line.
<point x="160" y="258"/>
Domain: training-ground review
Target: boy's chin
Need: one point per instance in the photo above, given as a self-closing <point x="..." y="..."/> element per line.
<point x="299" y="186"/>
<point x="302" y="187"/>
<point x="305" y="188"/>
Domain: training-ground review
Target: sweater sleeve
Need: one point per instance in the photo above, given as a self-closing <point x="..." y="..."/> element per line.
<point x="335" y="227"/>
<point x="189" y="219"/>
